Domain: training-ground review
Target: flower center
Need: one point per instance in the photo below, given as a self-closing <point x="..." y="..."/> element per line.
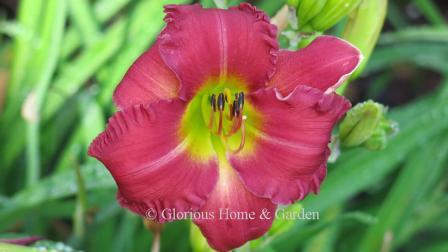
<point x="229" y="114"/>
<point x="219" y="119"/>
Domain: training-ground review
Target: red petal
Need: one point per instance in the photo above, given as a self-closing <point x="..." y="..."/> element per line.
<point x="291" y="146"/>
<point x="229" y="197"/>
<point x="147" y="80"/>
<point x="144" y="154"/>
<point x="200" y="44"/>
<point x="325" y="64"/>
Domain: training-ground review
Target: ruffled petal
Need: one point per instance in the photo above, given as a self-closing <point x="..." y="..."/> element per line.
<point x="147" y="80"/>
<point x="325" y="64"/>
<point x="228" y="199"/>
<point x="150" y="163"/>
<point x="290" y="149"/>
<point x="200" y="45"/>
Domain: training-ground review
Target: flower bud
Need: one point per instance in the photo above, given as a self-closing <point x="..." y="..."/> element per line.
<point x="307" y="9"/>
<point x="378" y="140"/>
<point x="320" y="15"/>
<point x="293" y="3"/>
<point x="364" y="26"/>
<point x="366" y="124"/>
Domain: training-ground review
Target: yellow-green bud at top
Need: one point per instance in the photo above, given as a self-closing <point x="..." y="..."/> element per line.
<point x="197" y="240"/>
<point x="366" y="124"/>
<point x="364" y="26"/>
<point x="320" y="15"/>
<point x="360" y="123"/>
<point x="306" y="10"/>
<point x="292" y="3"/>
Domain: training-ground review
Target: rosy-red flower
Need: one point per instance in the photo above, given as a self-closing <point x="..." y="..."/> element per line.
<point x="214" y="116"/>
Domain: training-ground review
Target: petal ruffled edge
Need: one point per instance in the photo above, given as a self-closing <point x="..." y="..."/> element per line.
<point x="150" y="163"/>
<point x="291" y="146"/>
<point x="324" y="64"/>
<point x="238" y="43"/>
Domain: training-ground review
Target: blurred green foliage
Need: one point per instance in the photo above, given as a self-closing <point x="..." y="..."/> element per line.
<point x="60" y="61"/>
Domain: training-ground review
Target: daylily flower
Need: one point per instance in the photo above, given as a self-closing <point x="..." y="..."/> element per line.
<point x="214" y="116"/>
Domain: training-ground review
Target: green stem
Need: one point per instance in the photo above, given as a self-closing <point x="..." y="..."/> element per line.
<point x="28" y="16"/>
<point x="102" y="11"/>
<point x="44" y="64"/>
<point x="156" y="241"/>
<point x="81" y="204"/>
<point x="84" y="20"/>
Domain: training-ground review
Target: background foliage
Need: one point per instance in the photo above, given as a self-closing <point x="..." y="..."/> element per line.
<point x="60" y="61"/>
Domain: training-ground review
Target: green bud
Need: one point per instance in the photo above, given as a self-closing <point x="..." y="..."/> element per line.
<point x="360" y="123"/>
<point x="328" y="15"/>
<point x="307" y="9"/>
<point x="364" y="26"/>
<point x="377" y="141"/>
<point x="366" y="125"/>
<point x="197" y="240"/>
<point x="292" y="3"/>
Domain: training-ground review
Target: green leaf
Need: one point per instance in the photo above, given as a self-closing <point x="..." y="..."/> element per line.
<point x="84" y="20"/>
<point x="403" y="197"/>
<point x="43" y="65"/>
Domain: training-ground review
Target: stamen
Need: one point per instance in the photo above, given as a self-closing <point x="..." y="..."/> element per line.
<point x="221" y="106"/>
<point x="230" y="117"/>
<point x="211" y="119"/>
<point x="235" y="126"/>
<point x="236" y="117"/>
<point x="235" y="109"/>
<point x="213" y="102"/>
<point x="241" y="101"/>
<point x="220" y="124"/>
<point x="221" y="102"/>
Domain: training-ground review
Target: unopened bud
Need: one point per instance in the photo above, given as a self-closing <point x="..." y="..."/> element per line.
<point x="320" y="15"/>
<point x="366" y="124"/>
<point x="308" y="9"/>
<point x="364" y="26"/>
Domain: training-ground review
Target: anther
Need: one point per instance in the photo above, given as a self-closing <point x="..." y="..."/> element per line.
<point x="241" y="100"/>
<point x="221" y="102"/>
<point x="213" y="102"/>
<point x="235" y="109"/>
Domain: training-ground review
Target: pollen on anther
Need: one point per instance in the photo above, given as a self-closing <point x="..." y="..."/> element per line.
<point x="221" y="102"/>
<point x="213" y="102"/>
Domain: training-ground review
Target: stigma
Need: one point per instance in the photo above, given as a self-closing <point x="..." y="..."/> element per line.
<point x="230" y="114"/>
